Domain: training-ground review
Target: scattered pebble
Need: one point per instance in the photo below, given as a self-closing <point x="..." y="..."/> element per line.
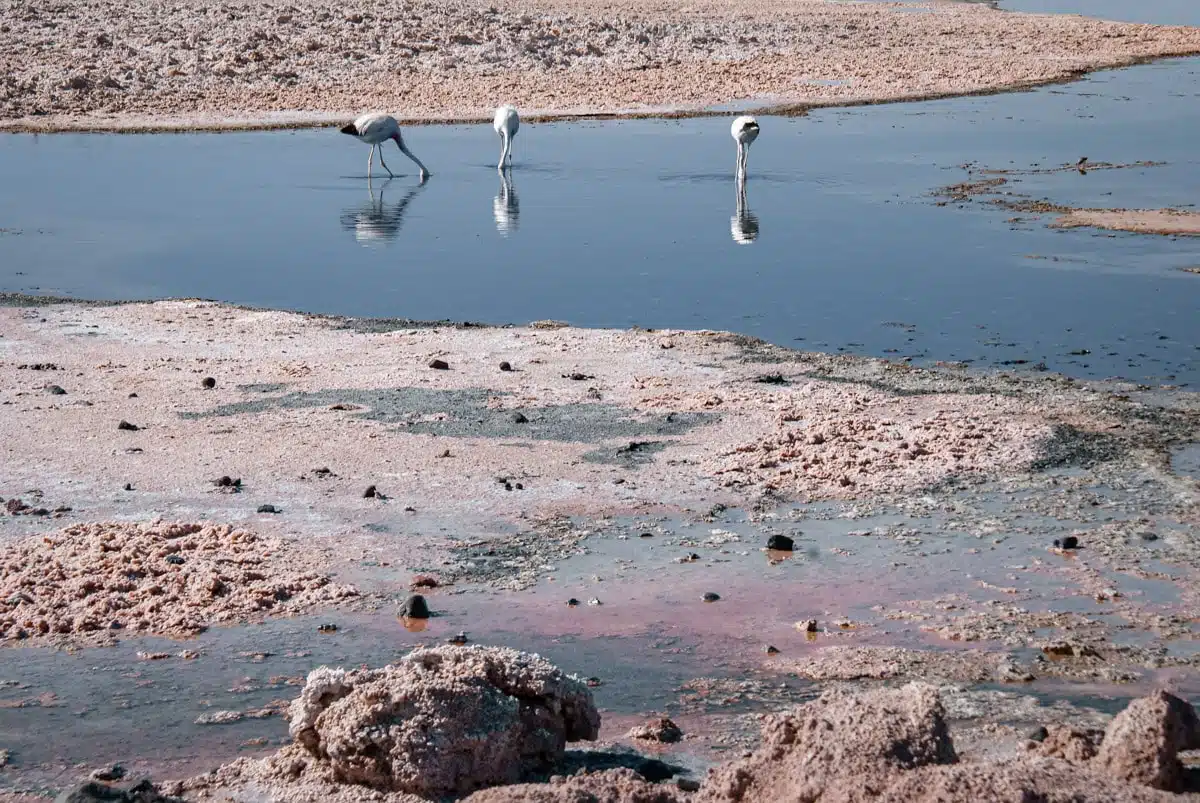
<point x="594" y="682"/>
<point x="771" y="650"/>
<point x="440" y="365"/>
<point x="781" y="543"/>
<point x="415" y="607"/>
<point x="129" y="486"/>
<point x="176" y="560"/>
<point x="657" y="730"/>
<point x="328" y="627"/>
<point x="268" y="509"/>
<point x="125" y="425"/>
<point x="114" y="773"/>
<point x="208" y="383"/>
<point x="458" y="638"/>
<point x="710" y="596"/>
<point x="370" y="493"/>
<point x="519" y="418"/>
<point x="424" y="581"/>
<point x="1039" y="734"/>
<point x="572" y="602"/>
<point x="505" y="366"/>
<point x="55" y="390"/>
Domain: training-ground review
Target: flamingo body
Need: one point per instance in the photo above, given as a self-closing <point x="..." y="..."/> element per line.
<point x="506" y="124"/>
<point x="744" y="131"/>
<point x="376" y="128"/>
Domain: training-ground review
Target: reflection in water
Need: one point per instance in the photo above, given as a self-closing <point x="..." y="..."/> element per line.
<point x="743" y="226"/>
<point x="506" y="208"/>
<point x="413" y="625"/>
<point x="376" y="220"/>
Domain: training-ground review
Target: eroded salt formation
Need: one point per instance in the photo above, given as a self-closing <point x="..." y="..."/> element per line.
<point x="441" y="721"/>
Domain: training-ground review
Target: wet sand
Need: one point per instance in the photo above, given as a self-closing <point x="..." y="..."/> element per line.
<point x="642" y="469"/>
<point x="1170" y="222"/>
<point x="119" y="65"/>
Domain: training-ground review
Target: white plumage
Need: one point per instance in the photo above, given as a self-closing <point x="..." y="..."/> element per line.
<point x="506" y="123"/>
<point x="375" y="129"/>
<point x="744" y="131"/>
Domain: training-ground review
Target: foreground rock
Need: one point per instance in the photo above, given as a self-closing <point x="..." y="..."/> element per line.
<point x="441" y="721"/>
<point x="613" y="786"/>
<point x="892" y="745"/>
<point x="92" y="581"/>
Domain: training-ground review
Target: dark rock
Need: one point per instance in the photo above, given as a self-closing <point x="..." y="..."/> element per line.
<point x="771" y="379"/>
<point x="39" y="511"/>
<point x="208" y="383"/>
<point x="55" y="390"/>
<point x="572" y="602"/>
<point x="129" y="486"/>
<point x="440" y="365"/>
<point x="578" y="377"/>
<point x="415" y="607"/>
<point x="1070" y="542"/>
<point x="176" y="560"/>
<point x="771" y="649"/>
<point x="96" y="792"/>
<point x="227" y="482"/>
<point x="1039" y="734"/>
<point x="458" y="638"/>
<point x="780" y="542"/>
<point x="687" y="785"/>
<point x="519" y="418"/>
<point x="61" y="509"/>
<point x="128" y="426"/>
<point x="15" y="506"/>
<point x="327" y="628"/>
<point x="370" y="493"/>
<point x="133" y="395"/>
<point x="268" y="509"/>
<point x="1149" y="536"/>
<point x="505" y="366"/>
<point x="709" y="596"/>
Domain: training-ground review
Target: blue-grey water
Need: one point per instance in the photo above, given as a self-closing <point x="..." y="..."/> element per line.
<point x="621" y="223"/>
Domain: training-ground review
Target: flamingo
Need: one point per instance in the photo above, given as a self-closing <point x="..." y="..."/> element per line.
<point x="376" y="128"/>
<point x="744" y="131"/>
<point x="506" y="124"/>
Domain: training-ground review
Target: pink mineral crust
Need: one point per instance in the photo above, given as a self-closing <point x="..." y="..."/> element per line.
<point x="172" y="579"/>
<point x="444" y="720"/>
<point x="613" y="786"/>
<point x="1016" y="781"/>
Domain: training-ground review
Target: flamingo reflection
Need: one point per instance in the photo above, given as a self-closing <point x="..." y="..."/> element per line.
<point x="743" y="226"/>
<point x="378" y="221"/>
<point x="506" y="209"/>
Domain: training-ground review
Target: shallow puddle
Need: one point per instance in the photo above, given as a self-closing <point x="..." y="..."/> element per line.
<point x="838" y="245"/>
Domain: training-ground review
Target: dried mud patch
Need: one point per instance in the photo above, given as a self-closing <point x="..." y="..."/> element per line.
<point x="92" y="582"/>
<point x="473" y="413"/>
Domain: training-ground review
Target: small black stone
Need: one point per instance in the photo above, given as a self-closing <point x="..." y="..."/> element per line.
<point x="1070" y="542"/>
<point x="709" y="596"/>
<point x="1149" y="536"/>
<point x="176" y="560"/>
<point x="268" y="509"/>
<point x="327" y="628"/>
<point x="505" y="366"/>
<point x="780" y="542"/>
<point x="370" y="493"/>
<point x="440" y="365"/>
<point x="415" y="607"/>
<point x="55" y="390"/>
<point x="572" y="602"/>
<point x="208" y="383"/>
<point x="129" y="486"/>
<point x="519" y="486"/>
<point x="133" y="395"/>
<point x="1039" y="734"/>
<point x="519" y="418"/>
<point x="128" y="426"/>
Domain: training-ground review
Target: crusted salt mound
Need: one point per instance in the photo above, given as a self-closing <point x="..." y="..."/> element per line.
<point x="443" y="720"/>
<point x="1043" y="780"/>
<point x="843" y="747"/>
<point x="1142" y="743"/>
<point x="171" y="579"/>
<point x="613" y="786"/>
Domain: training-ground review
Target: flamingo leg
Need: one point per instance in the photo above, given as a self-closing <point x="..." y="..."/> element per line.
<point x="385" y="167"/>
<point x="370" y="161"/>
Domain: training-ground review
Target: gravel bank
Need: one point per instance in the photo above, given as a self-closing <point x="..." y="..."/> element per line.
<point x="123" y="65"/>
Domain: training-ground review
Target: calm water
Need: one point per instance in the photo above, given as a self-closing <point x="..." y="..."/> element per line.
<point x="1161" y="12"/>
<point x="623" y="223"/>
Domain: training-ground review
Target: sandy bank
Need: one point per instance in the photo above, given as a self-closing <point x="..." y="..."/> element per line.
<point x="1139" y="221"/>
<point x="118" y="64"/>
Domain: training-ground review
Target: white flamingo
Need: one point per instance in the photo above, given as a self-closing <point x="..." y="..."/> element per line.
<point x="376" y="128"/>
<point x="744" y="131"/>
<point x="506" y="124"/>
